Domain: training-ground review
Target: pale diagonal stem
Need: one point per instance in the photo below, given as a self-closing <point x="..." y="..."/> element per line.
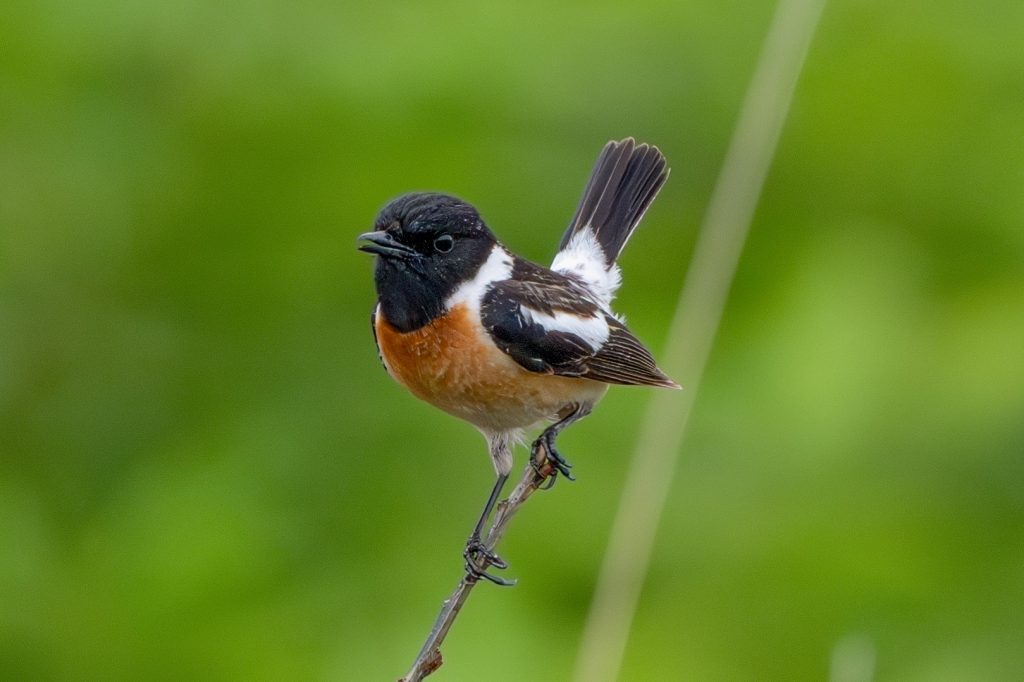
<point x="691" y="336"/>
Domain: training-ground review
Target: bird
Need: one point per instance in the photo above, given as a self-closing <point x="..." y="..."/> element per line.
<point x="504" y="343"/>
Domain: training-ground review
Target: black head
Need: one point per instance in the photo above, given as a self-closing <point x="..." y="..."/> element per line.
<point x="426" y="246"/>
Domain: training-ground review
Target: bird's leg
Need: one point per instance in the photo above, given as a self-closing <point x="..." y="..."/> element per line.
<point x="547" y="440"/>
<point x="475" y="548"/>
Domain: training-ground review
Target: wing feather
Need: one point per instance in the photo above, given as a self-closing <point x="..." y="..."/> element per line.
<point x="553" y="348"/>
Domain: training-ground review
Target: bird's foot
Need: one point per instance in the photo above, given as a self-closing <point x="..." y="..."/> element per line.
<point x="479" y="559"/>
<point x="561" y="465"/>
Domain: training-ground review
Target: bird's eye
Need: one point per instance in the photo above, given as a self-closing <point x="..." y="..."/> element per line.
<point x="444" y="243"/>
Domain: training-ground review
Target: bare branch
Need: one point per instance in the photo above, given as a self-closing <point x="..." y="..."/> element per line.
<point x="537" y="471"/>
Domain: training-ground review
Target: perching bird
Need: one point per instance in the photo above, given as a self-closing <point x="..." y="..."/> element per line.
<point x="499" y="341"/>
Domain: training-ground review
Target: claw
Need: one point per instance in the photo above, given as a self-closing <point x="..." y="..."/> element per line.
<point x="561" y="465"/>
<point x="474" y="572"/>
<point x="475" y="549"/>
<point x="472" y="554"/>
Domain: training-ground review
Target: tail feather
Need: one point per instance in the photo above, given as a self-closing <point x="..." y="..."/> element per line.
<point x="624" y="182"/>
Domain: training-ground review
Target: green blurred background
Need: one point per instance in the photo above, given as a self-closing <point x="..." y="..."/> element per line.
<point x="205" y="473"/>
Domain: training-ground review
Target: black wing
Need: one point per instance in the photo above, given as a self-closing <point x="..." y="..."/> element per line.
<point x="620" y="359"/>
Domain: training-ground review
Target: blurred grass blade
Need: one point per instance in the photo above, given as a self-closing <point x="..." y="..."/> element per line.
<point x="692" y="333"/>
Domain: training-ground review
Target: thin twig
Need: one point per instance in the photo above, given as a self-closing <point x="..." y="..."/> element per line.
<point x="537" y="471"/>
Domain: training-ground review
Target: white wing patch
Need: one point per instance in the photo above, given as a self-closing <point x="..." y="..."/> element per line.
<point x="583" y="257"/>
<point x="496" y="268"/>
<point x="593" y="330"/>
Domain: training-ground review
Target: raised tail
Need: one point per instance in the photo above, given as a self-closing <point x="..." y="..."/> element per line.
<point x="624" y="182"/>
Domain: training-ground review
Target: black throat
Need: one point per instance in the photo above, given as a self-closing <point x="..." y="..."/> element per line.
<point x="413" y="293"/>
<point x="408" y="301"/>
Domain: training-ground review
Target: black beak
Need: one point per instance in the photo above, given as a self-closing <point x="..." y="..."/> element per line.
<point x="383" y="244"/>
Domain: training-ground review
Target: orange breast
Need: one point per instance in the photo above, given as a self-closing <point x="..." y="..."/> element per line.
<point x="452" y="364"/>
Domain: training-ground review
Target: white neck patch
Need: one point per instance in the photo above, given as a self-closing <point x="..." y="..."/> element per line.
<point x="496" y="268"/>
